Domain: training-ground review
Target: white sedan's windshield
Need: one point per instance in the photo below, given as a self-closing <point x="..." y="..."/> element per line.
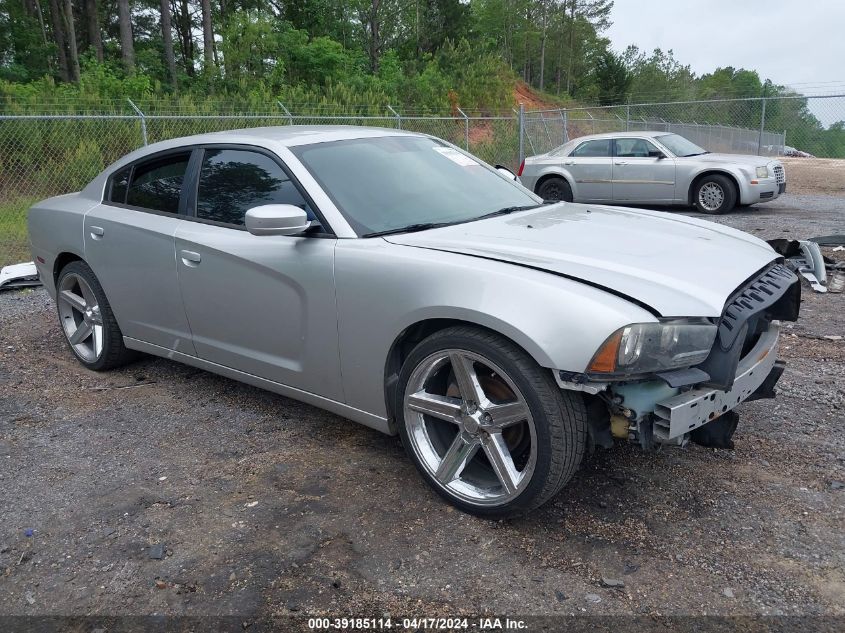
<point x="392" y="182"/>
<point x="680" y="146"/>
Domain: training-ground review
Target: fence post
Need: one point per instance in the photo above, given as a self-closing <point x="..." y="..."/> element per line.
<point x="563" y="115"/>
<point x="466" y="128"/>
<point x="396" y="114"/>
<point x="143" y="120"/>
<point x="762" y="125"/>
<point x="628" y="115"/>
<point x="286" y="111"/>
<point x="521" y="128"/>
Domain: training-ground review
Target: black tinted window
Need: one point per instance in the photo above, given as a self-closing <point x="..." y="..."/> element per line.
<point x="156" y="184"/>
<point x="233" y="181"/>
<point x="119" y="185"/>
<point x="593" y="148"/>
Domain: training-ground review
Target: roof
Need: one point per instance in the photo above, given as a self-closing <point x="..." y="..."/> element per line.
<point x="291" y="135"/>
<point x="634" y="133"/>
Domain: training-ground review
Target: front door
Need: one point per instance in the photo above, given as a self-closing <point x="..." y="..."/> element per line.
<point x="129" y="246"/>
<point x="263" y="305"/>
<point x="641" y="172"/>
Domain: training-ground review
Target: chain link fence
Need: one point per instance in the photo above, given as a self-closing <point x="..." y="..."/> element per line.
<point x="42" y="155"/>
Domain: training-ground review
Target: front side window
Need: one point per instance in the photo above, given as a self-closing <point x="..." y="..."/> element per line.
<point x="233" y="181"/>
<point x="634" y="148"/>
<point x="157" y="183"/>
<point x="593" y="149"/>
<point x="392" y="182"/>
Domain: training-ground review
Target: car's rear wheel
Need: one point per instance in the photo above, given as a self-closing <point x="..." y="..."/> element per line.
<point x="486" y="426"/>
<point x="714" y="194"/>
<point x="555" y="189"/>
<point x="87" y="320"/>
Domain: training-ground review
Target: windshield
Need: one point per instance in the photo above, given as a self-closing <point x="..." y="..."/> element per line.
<point x="391" y="182"/>
<point x="680" y="146"/>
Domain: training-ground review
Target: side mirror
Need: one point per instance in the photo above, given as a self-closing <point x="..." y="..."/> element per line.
<point x="276" y="219"/>
<point x="656" y="154"/>
<point x="505" y="172"/>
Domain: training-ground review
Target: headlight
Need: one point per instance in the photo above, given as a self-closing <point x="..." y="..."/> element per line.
<point x="642" y="348"/>
<point x="762" y="172"/>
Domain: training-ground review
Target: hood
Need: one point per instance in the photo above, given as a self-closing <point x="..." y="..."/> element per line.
<point x="743" y="160"/>
<point x="674" y="264"/>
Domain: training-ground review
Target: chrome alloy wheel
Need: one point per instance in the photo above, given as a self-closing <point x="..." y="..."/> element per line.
<point x="470" y="427"/>
<point x="711" y="196"/>
<point x="80" y="315"/>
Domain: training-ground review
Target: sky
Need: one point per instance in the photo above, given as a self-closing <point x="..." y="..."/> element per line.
<point x="799" y="43"/>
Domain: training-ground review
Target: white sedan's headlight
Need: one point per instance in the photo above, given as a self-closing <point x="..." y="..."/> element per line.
<point x="762" y="172"/>
<point x="642" y="348"/>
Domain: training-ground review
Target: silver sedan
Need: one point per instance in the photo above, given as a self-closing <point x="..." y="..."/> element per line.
<point x="653" y="168"/>
<point x="398" y="281"/>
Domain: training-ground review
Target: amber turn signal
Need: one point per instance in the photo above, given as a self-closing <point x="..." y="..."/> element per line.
<point x="604" y="360"/>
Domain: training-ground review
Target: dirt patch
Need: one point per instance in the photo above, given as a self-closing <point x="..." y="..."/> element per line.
<point x="815" y="175"/>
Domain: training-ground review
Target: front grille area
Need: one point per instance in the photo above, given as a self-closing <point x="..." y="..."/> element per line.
<point x="766" y="194"/>
<point x="780" y="175"/>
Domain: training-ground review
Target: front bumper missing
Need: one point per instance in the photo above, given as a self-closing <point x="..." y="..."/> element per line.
<point x="689" y="410"/>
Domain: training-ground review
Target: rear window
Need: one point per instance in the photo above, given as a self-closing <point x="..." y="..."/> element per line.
<point x="156" y="184"/>
<point x="119" y="185"/>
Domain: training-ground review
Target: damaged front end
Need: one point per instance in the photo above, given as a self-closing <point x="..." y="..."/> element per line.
<point x="697" y="402"/>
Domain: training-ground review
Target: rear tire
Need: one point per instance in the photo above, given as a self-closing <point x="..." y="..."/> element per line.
<point x="555" y="189"/>
<point x="714" y="194"/>
<point x="513" y="442"/>
<point x="87" y="320"/>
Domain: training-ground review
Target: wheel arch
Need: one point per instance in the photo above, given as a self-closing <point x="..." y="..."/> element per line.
<point x="554" y="174"/>
<point x="713" y="172"/>
<point x="408" y="338"/>
<point x="62" y="260"/>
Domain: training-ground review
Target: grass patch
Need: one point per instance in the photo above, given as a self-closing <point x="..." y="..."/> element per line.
<point x="14" y="243"/>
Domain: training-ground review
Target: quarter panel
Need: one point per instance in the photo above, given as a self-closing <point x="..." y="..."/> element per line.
<point x="383" y="288"/>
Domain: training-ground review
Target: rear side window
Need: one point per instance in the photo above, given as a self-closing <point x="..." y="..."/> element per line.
<point x="119" y="185"/>
<point x="233" y="181"/>
<point x="157" y="184"/>
<point x="594" y="149"/>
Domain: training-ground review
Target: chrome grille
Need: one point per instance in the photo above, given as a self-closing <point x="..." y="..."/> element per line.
<point x="780" y="176"/>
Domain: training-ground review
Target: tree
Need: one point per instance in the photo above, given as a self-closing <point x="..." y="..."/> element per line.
<point x="612" y="78"/>
<point x="167" y="41"/>
<point x="71" y="42"/>
<point x="127" y="45"/>
<point x="207" y="35"/>
<point x="93" y="23"/>
<point x="56" y="22"/>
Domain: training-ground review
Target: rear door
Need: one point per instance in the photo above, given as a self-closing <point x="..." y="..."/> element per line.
<point x="591" y="165"/>
<point x="129" y="245"/>
<point x="263" y="305"/>
<point x="639" y="172"/>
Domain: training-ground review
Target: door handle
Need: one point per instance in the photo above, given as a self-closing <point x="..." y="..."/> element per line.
<point x="621" y="162"/>
<point x="190" y="258"/>
<point x="97" y="232"/>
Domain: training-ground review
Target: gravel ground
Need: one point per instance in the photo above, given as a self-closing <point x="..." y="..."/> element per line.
<point x="265" y="507"/>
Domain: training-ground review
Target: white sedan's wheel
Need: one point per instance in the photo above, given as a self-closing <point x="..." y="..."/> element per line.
<point x="486" y="426"/>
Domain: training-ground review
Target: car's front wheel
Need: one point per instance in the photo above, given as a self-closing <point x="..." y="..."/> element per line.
<point x="555" y="189"/>
<point x="714" y="194"/>
<point x="87" y="319"/>
<point x="486" y="426"/>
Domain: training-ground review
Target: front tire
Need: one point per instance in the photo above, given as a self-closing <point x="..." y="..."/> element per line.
<point x="485" y="425"/>
<point x="87" y="320"/>
<point x="555" y="189"/>
<point x="714" y="194"/>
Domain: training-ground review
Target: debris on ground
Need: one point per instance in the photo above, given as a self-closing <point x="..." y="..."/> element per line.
<point x="19" y="276"/>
